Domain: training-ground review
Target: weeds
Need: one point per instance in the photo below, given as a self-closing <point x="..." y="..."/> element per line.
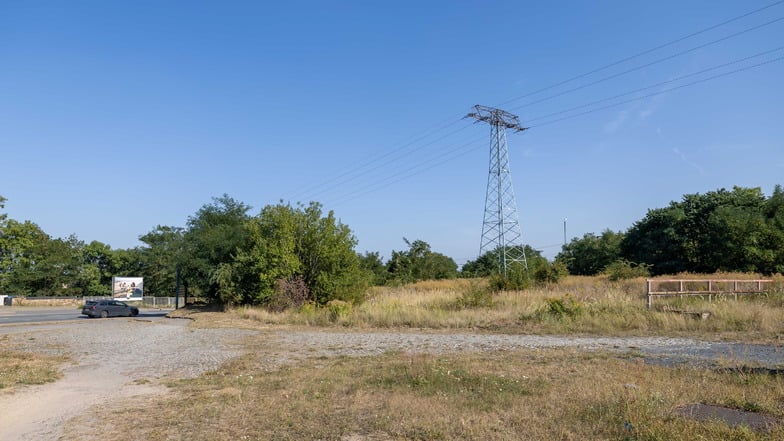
<point x="24" y="368"/>
<point x="538" y="395"/>
<point x="475" y="295"/>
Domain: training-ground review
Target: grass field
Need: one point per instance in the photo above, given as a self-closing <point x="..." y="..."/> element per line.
<point x="539" y="394"/>
<point x="586" y="305"/>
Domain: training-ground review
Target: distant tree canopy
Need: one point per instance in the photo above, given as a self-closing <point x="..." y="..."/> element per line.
<point x="738" y="230"/>
<point x="287" y="246"/>
<point x="419" y="262"/>
<point x="536" y="270"/>
<point x="590" y="254"/>
<point x="286" y="255"/>
<point x="223" y="254"/>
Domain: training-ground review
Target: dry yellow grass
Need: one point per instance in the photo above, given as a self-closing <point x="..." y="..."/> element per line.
<point x="589" y="305"/>
<point x="19" y="367"/>
<point x="538" y="395"/>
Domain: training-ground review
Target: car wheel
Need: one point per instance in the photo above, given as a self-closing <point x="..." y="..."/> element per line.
<point x="104" y="314"/>
<point x="134" y="313"/>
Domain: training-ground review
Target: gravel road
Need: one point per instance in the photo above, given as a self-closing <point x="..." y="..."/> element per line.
<point x="118" y="358"/>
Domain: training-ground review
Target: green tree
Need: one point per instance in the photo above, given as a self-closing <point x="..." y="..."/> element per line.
<point x="483" y="266"/>
<point x="536" y="271"/>
<point x="723" y="230"/>
<point x="161" y="256"/>
<point x="709" y="222"/>
<point x="213" y="236"/>
<point x="35" y="264"/>
<point x="3" y="216"/>
<point x="590" y="254"/>
<point x="288" y="245"/>
<point x="270" y="257"/>
<point x="20" y="245"/>
<point x="97" y="268"/>
<point x="489" y="263"/>
<point x="774" y="217"/>
<point x="127" y="262"/>
<point x="656" y="240"/>
<point x="419" y="262"/>
<point x="330" y="267"/>
<point x="372" y="262"/>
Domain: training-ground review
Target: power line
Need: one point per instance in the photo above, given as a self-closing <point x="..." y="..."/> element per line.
<point x="470" y="146"/>
<point x="396" y="155"/>
<point x="660" y="60"/>
<point x="373" y="159"/>
<point x="529" y="120"/>
<point x="704" y="80"/>
<point x="645" y="52"/>
<point x="463" y="150"/>
<point x="423" y="166"/>
<point x="353" y="175"/>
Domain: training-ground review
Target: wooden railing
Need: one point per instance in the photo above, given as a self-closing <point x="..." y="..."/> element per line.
<point x="703" y="287"/>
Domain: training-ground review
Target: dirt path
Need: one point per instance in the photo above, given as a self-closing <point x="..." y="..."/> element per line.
<point x="115" y="359"/>
<point x="119" y="358"/>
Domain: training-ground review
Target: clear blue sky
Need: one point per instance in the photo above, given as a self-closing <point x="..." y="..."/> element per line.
<point x="119" y="116"/>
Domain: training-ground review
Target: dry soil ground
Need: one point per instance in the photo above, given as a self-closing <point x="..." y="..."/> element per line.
<point x="122" y="357"/>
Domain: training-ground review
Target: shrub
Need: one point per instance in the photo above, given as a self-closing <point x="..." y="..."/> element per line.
<point x="475" y="296"/>
<point x="289" y="293"/>
<point x="515" y="279"/>
<point x="623" y="269"/>
<point x="338" y="309"/>
<point x="545" y="272"/>
<point x="566" y="306"/>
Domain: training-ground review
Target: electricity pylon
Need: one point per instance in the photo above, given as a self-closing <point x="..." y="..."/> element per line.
<point x="501" y="230"/>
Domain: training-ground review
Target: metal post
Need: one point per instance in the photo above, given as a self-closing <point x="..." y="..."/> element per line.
<point x="177" y="290"/>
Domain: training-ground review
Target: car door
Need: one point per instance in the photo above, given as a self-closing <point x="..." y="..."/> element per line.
<point x="115" y="308"/>
<point x="123" y="309"/>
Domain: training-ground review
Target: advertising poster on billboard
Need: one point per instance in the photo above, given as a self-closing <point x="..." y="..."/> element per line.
<point x="127" y="288"/>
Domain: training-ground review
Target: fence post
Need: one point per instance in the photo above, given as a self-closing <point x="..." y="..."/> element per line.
<point x="648" y="294"/>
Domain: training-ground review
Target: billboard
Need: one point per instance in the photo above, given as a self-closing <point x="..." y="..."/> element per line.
<point x="127" y="288"/>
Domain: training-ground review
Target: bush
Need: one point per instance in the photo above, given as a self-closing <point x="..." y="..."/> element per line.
<point x="515" y="279"/>
<point x="475" y="296"/>
<point x="549" y="273"/>
<point x="338" y="309"/>
<point x="540" y="272"/>
<point x="289" y="293"/>
<point x="623" y="269"/>
<point x="561" y="307"/>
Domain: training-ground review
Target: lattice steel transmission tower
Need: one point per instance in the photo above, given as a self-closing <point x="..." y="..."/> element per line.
<point x="501" y="230"/>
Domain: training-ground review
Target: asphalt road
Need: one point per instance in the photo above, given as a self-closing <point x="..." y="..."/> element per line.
<point x="20" y="314"/>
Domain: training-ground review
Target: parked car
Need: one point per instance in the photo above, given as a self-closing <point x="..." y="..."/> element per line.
<point x="109" y="308"/>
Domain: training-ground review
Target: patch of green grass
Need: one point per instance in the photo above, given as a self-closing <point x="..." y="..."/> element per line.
<point x="450" y="379"/>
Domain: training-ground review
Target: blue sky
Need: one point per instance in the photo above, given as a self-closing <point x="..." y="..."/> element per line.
<point x="119" y="116"/>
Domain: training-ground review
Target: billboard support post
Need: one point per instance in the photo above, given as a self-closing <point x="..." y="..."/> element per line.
<point x="177" y="290"/>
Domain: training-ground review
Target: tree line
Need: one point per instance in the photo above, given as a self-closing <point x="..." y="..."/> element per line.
<point x="282" y="256"/>
<point x="724" y="230"/>
<point x="286" y="255"/>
